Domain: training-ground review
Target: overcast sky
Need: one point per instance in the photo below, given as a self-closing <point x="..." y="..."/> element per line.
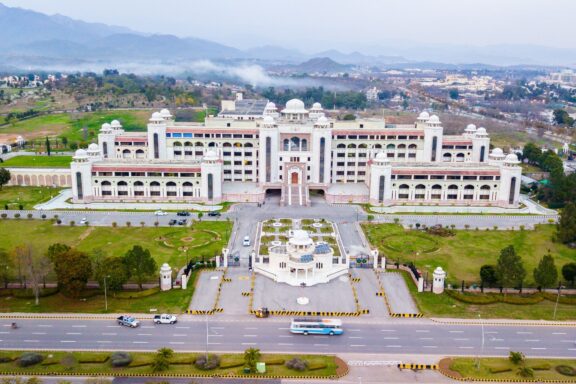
<point x="316" y="25"/>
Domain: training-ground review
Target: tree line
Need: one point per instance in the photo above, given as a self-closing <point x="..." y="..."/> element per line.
<point x="328" y="99"/>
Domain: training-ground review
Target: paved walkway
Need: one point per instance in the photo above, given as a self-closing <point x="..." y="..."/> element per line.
<point x="61" y="202"/>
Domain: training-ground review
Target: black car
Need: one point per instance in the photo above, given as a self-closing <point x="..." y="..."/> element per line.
<point x="214" y="214"/>
<point x="172" y="222"/>
<point x="183" y="213"/>
<point x="182" y="222"/>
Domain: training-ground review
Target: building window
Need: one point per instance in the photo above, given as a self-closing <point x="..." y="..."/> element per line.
<point x="268" y="151"/>
<point x="482" y="152"/>
<point x="79" y="185"/>
<point x="512" y="191"/>
<point x="381" y="189"/>
<point x="105" y="149"/>
<point x="210" y="186"/>
<point x="434" y="147"/>
<point x="322" y="159"/>
<point x="156" y="147"/>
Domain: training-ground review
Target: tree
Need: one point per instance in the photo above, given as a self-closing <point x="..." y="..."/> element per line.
<point x="516" y="357"/>
<point x="140" y="264"/>
<point x="47" y="145"/>
<point x="567" y="224"/>
<point x="36" y="267"/>
<point x="200" y="215"/>
<point x="569" y="272"/>
<point x="251" y="357"/>
<point x="546" y="274"/>
<point x="6" y="267"/>
<point x="4" y="177"/>
<point x="114" y="270"/>
<point x="55" y="250"/>
<point x="162" y="359"/>
<point x="73" y="269"/>
<point x="488" y="275"/>
<point x="561" y="117"/>
<point x="454" y="94"/>
<point x="510" y="268"/>
<point x="349" y="117"/>
<point x="532" y="153"/>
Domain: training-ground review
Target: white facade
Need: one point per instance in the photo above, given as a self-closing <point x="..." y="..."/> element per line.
<point x="295" y="151"/>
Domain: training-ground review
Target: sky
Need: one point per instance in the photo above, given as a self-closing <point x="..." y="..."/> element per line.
<point x="317" y="25"/>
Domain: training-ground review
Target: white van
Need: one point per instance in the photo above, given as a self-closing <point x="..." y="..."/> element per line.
<point x="246" y="241"/>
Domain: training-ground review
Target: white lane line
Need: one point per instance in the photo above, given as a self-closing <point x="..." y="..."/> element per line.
<point x="422" y="331"/>
<point x="67" y="341"/>
<point x="139" y="342"/>
<point x="250" y="328"/>
<point x="426" y="338"/>
<point x="35" y="333"/>
<point x="215" y="335"/>
<point x="214" y="343"/>
<point x="459" y="332"/>
<point x="558" y="333"/>
<point x="429" y="346"/>
<point x="248" y="343"/>
<point x="501" y="348"/>
<point x="285" y="336"/>
<point x="490" y="332"/>
<point x="283" y="329"/>
<point x="176" y="342"/>
<point x="357" y="345"/>
<point x="354" y="330"/>
<point x="146" y="326"/>
<point x="393" y="346"/>
<point x="532" y="341"/>
<point x="285" y="344"/>
<point x="355" y="337"/>
<point x="540" y="348"/>
<point x="31" y="341"/>
<point x="112" y="326"/>
<point x="572" y="349"/>
<point x="566" y="341"/>
<point x="44" y="326"/>
<point x="108" y="334"/>
<point x="222" y="328"/>
<point x="464" y="339"/>
<point x="523" y="333"/>
<point x="496" y="339"/>
<point x="182" y="327"/>
<point x="320" y="345"/>
<point x="4" y="333"/>
<point x="465" y="347"/>
<point x="78" y="326"/>
<point x="144" y="334"/>
<point x="250" y="335"/>
<point x="73" y="333"/>
<point x="179" y="335"/>
<point x="390" y="338"/>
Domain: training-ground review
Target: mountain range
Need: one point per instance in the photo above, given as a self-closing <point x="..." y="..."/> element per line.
<point x="30" y="39"/>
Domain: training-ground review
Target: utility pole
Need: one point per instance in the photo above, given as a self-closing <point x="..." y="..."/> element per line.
<point x="105" y="295"/>
<point x="557" y="300"/>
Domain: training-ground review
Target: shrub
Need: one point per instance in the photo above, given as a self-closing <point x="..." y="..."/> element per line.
<point x="499" y="369"/>
<point x="4" y="215"/>
<point x="516" y="357"/>
<point x="541" y="367"/>
<point x="114" y="224"/>
<point x="68" y="361"/>
<point x="16" y="215"/>
<point x="206" y="364"/>
<point x="317" y="366"/>
<point x="274" y="361"/>
<point x="232" y="364"/>
<point x="28" y="359"/>
<point x="297" y="364"/>
<point x="565" y="370"/>
<point x="43" y="217"/>
<point x="72" y="223"/>
<point x="5" y="359"/>
<point x="29" y="216"/>
<point x="128" y="223"/>
<point x="94" y="360"/>
<point x="438" y="230"/>
<point x="471" y="298"/>
<point x="525" y="372"/>
<point x="58" y="222"/>
<point x="120" y="359"/>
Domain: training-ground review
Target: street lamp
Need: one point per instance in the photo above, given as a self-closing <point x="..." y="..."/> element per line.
<point x="482" y="345"/>
<point x="105" y="295"/>
<point x="557" y="299"/>
<point x="207" y="334"/>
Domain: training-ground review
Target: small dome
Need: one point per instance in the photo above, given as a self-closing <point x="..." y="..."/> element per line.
<point x="156" y="115"/>
<point x="165" y="114"/>
<point x="270" y="105"/>
<point x="481" y="132"/>
<point x="471" y="128"/>
<point x="322" y="121"/>
<point x="115" y="124"/>
<point x="434" y="119"/>
<point x="511" y="158"/>
<point x="295" y="106"/>
<point x="93" y="147"/>
<point x="317" y="106"/>
<point x="106" y="127"/>
<point x="268" y="120"/>
<point x="300" y="237"/>
<point x="497" y="152"/>
<point x="423" y="116"/>
<point x="80" y="153"/>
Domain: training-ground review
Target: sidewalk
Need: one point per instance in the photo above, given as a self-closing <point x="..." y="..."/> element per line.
<point x="60" y="202"/>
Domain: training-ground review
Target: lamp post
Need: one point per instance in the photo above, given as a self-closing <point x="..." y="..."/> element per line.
<point x="105" y="295"/>
<point x="207" y="334"/>
<point x="482" y="345"/>
<point x="557" y="299"/>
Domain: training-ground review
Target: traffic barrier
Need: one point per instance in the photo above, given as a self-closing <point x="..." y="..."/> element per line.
<point x="246" y="293"/>
<point x="379" y="293"/>
<point x="226" y="279"/>
<point x="317" y="313"/>
<point x="406" y="315"/>
<point x="418" y="366"/>
<point x="355" y="279"/>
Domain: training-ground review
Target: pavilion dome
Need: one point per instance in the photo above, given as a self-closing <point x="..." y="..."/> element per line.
<point x="300" y="238"/>
<point x="270" y="106"/>
<point x="470" y="128"/>
<point x="322" y="121"/>
<point x="511" y="159"/>
<point x="295" y="106"/>
<point x="317" y="106"/>
<point x="93" y="147"/>
<point x="165" y="113"/>
<point x="115" y="124"/>
<point x="423" y="116"/>
<point x="80" y="154"/>
<point x="481" y="132"/>
<point x="156" y="117"/>
<point x="106" y="127"/>
<point x="434" y="119"/>
<point x="497" y="152"/>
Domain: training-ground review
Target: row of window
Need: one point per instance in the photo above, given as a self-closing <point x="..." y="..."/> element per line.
<point x="378" y="137"/>
<point x="443" y="177"/>
<point x="148" y="174"/>
<point x="177" y="135"/>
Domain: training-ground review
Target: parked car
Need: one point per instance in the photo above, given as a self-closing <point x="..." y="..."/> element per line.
<point x="165" y="319"/>
<point x="172" y="222"/>
<point x="214" y="214"/>
<point x="246" y="241"/>
<point x="183" y="213"/>
<point x="160" y="213"/>
<point x="84" y="220"/>
<point x="182" y="222"/>
<point x="128" y="321"/>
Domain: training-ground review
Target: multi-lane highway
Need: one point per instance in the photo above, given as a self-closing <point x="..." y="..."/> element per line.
<point x="225" y="333"/>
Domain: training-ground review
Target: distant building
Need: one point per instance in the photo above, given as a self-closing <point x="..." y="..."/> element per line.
<point x="372" y="94"/>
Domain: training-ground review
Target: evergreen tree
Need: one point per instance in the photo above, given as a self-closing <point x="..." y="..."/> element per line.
<point x="567" y="224"/>
<point x="546" y="274"/>
<point x="140" y="264"/>
<point x="47" y="145"/>
<point x="510" y="268"/>
<point x="4" y="177"/>
<point x="569" y="272"/>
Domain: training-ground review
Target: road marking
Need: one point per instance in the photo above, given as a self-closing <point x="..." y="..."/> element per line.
<point x="558" y="333"/>
<point x="44" y="326"/>
<point x="393" y="346"/>
<point x="4" y="333"/>
<point x="390" y="338"/>
<point x="461" y="339"/>
<point x="566" y="341"/>
<point x="78" y="326"/>
<point x="248" y="343"/>
<point x="285" y="336"/>
<point x="179" y="335"/>
<point x="357" y="345"/>
<point x="73" y="333"/>
<point x="250" y="328"/>
<point x="176" y="342"/>
<point x="538" y="348"/>
<point x="109" y="334"/>
<point x="387" y="330"/>
<point x="144" y="334"/>
<point x="147" y="326"/>
<point x="422" y="331"/>
<point x="31" y="341"/>
<point x="35" y="333"/>
<point x="532" y="341"/>
<point x="139" y="342"/>
<point x="183" y="327"/>
<point x="523" y="333"/>
<point x="490" y="332"/>
<point x="572" y="349"/>
<point x="215" y="335"/>
<point x="429" y="346"/>
<point x="250" y="335"/>
<point x="320" y="345"/>
<point x="112" y="326"/>
<point x="354" y="330"/>
<point x="458" y="332"/>
<point x="465" y="347"/>
<point x="67" y="341"/>
<point x="285" y="344"/>
<point x="214" y="343"/>
<point x="355" y="337"/>
<point x="501" y="348"/>
<point x="222" y="327"/>
<point x="283" y="329"/>
<point x="426" y="338"/>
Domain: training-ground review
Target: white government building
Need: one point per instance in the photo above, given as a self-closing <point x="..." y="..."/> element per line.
<point x="250" y="149"/>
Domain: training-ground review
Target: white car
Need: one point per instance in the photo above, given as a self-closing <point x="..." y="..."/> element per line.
<point x="246" y="241"/>
<point x="160" y="213"/>
<point x="165" y="319"/>
<point x="84" y="220"/>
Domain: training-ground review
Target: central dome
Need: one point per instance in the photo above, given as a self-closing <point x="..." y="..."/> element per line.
<point x="295" y="106"/>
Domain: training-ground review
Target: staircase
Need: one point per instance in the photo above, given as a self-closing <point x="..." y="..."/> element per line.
<point x="294" y="195"/>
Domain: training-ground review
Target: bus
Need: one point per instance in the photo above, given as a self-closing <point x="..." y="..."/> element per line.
<point x="317" y="326"/>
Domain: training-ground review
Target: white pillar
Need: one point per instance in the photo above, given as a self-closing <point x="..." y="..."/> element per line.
<point x="374" y="254"/>
<point x="218" y="261"/>
<point x="165" y="277"/>
<point x="439" y="276"/>
<point x="383" y="265"/>
<point x="420" y="284"/>
<point x="225" y="252"/>
<point x="184" y="281"/>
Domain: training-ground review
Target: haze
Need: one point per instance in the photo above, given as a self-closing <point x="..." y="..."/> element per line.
<point x="316" y="25"/>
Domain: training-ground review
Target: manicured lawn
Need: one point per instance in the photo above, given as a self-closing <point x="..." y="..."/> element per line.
<point x="173" y="301"/>
<point x="463" y="254"/>
<point x="90" y="363"/>
<point x="467" y="368"/>
<point x="165" y="244"/>
<point x="46" y="125"/>
<point x="432" y="305"/>
<point x="27" y="196"/>
<point x="54" y="161"/>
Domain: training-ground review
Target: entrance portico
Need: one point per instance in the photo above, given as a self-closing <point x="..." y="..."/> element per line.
<point x="295" y="187"/>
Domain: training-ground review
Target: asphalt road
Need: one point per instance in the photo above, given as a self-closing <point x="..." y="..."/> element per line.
<point x="230" y="334"/>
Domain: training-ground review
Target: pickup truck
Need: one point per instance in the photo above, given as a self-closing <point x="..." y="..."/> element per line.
<point x="128" y="321"/>
<point x="165" y="319"/>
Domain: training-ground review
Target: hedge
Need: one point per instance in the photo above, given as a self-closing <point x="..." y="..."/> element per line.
<point x="492" y="298"/>
<point x="136" y="294"/>
<point x="274" y="361"/>
<point x="471" y="298"/>
<point x="315" y="367"/>
<point x="499" y="369"/>
<point x="570" y="300"/>
<point x="231" y="364"/>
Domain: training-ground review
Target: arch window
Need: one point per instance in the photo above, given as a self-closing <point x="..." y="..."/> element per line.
<point x="304" y="144"/>
<point x="139" y="153"/>
<point x="286" y="145"/>
<point x="404" y="191"/>
<point x="156" y="146"/>
<point x="434" y="148"/>
<point x="340" y="146"/>
<point x="126" y="154"/>
<point x="452" y="192"/>
<point x="351" y="146"/>
<point x="436" y="192"/>
<point x="420" y="192"/>
<point x="210" y="186"/>
<point x="294" y="143"/>
<point x="460" y="157"/>
<point x="390" y="147"/>
<point x="512" y="194"/>
<point x="447" y="157"/>
<point x="381" y="187"/>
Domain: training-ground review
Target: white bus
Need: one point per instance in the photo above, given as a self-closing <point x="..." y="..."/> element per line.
<point x="317" y="326"/>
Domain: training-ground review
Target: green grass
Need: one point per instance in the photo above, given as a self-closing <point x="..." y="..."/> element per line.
<point x="46" y="125"/>
<point x="433" y="305"/>
<point x="27" y="196"/>
<point x="88" y="369"/>
<point x="38" y="162"/>
<point x="467" y="368"/>
<point x="463" y="254"/>
<point x="117" y="241"/>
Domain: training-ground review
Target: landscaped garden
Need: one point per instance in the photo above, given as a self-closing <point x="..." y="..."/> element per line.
<point x="463" y="254"/>
<point x="28" y="197"/>
<point x="166" y="362"/>
<point x="54" y="161"/>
